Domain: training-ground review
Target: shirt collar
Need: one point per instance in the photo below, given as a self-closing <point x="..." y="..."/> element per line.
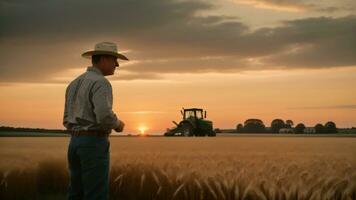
<point x="94" y="69"/>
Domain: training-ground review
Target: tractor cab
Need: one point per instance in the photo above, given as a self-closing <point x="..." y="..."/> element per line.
<point x="195" y="113"/>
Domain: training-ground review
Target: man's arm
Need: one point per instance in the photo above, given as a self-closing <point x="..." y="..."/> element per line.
<point x="65" y="114"/>
<point x="102" y="102"/>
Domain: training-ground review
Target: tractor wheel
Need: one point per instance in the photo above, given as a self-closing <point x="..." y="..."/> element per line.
<point x="201" y="134"/>
<point x="168" y="134"/>
<point x="212" y="134"/>
<point x="187" y="130"/>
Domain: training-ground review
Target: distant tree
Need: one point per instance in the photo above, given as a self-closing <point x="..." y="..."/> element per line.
<point x="299" y="128"/>
<point x="276" y="125"/>
<point x="254" y="126"/>
<point x="239" y="128"/>
<point x="319" y="128"/>
<point x="330" y="127"/>
<point x="289" y="123"/>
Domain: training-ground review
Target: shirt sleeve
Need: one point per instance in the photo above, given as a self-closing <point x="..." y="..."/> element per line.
<point x="65" y="114"/>
<point x="102" y="102"/>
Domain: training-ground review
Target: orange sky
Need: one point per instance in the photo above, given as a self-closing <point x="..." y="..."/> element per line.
<point x="237" y="59"/>
<point x="229" y="99"/>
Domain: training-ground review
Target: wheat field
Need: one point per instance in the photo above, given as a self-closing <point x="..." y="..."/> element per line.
<point x="283" y="168"/>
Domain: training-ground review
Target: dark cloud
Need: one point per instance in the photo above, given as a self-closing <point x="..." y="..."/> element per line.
<point x="221" y="64"/>
<point x="27" y="61"/>
<point x="65" y="19"/>
<point x="317" y="43"/>
<point x="321" y="42"/>
<point x="40" y="39"/>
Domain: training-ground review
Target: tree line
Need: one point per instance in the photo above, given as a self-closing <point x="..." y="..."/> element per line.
<point x="257" y="126"/>
<point x="37" y="130"/>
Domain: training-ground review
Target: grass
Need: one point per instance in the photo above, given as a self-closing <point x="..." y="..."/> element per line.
<point x="195" y="168"/>
<point x="142" y="181"/>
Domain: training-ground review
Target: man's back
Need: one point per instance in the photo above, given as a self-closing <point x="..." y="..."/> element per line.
<point x="88" y="103"/>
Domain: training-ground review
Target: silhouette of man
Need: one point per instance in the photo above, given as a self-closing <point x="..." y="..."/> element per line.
<point x="88" y="116"/>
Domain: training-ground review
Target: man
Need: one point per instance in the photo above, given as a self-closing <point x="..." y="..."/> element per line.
<point x="88" y="116"/>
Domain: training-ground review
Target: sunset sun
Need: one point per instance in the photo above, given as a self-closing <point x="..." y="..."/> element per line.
<point x="142" y="129"/>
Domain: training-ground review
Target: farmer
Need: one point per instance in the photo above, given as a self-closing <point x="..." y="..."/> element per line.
<point x="89" y="118"/>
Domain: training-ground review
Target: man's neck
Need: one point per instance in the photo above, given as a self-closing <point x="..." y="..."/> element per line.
<point x="98" y="68"/>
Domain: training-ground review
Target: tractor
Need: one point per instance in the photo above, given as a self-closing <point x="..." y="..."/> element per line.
<point x="194" y="123"/>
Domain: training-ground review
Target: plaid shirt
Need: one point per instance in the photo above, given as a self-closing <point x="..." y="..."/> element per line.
<point x="88" y="103"/>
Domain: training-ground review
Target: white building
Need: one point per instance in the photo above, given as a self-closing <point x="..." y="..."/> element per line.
<point x="309" y="130"/>
<point x="286" y="130"/>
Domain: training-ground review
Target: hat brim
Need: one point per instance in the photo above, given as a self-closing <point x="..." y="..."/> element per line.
<point x="88" y="54"/>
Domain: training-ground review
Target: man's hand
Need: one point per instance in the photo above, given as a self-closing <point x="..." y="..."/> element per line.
<point x="121" y="127"/>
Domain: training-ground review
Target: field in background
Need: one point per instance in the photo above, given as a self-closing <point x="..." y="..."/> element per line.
<point x="190" y="168"/>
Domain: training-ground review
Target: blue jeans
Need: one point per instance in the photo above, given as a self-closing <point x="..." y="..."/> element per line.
<point x="89" y="163"/>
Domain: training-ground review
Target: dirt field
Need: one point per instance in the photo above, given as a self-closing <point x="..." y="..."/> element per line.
<point x="191" y="168"/>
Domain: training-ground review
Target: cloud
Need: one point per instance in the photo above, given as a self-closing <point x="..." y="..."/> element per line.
<point x="136" y="76"/>
<point x="41" y="39"/>
<point x="296" y="5"/>
<point x="284" y="5"/>
<point x="311" y="43"/>
<point x="222" y="64"/>
<point x="317" y="43"/>
<point x="65" y="19"/>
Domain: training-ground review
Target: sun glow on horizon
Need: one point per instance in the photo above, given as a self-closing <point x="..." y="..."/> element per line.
<point x="142" y="129"/>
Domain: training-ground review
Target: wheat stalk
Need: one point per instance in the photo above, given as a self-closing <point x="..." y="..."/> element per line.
<point x="177" y="191"/>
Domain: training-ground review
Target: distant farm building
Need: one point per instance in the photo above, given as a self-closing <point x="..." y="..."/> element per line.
<point x="309" y="130"/>
<point x="286" y="130"/>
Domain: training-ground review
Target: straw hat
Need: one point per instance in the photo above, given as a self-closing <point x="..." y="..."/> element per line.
<point x="104" y="48"/>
